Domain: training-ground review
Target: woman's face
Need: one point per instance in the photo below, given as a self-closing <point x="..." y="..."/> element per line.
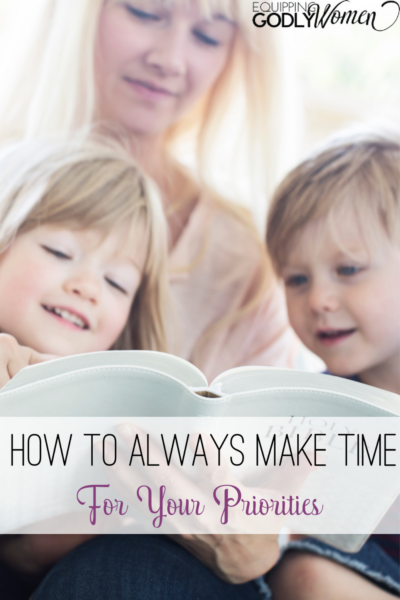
<point x="155" y="60"/>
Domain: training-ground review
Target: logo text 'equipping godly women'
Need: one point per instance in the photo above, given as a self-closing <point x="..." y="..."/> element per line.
<point x="297" y="14"/>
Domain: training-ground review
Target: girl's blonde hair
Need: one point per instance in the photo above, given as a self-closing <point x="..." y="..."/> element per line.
<point x="48" y="87"/>
<point x="91" y="185"/>
<point x="358" y="172"/>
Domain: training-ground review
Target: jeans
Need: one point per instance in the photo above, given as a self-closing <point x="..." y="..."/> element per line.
<point x="145" y="567"/>
<point x="14" y="585"/>
<point x="371" y="561"/>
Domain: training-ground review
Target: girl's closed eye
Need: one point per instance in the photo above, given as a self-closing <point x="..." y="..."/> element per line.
<point x="57" y="253"/>
<point x="116" y="285"/>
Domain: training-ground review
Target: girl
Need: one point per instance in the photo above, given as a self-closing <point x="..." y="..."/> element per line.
<point x="82" y="268"/>
<point x="82" y="256"/>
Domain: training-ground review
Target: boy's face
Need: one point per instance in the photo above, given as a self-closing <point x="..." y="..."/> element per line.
<point x="343" y="301"/>
<point x="67" y="292"/>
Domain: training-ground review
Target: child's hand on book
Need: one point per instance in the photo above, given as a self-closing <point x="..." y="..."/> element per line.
<point x="14" y="357"/>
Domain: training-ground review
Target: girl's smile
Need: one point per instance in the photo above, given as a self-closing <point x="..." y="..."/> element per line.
<point x="68" y="317"/>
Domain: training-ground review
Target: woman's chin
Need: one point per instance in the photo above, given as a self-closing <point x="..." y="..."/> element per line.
<point x="145" y="123"/>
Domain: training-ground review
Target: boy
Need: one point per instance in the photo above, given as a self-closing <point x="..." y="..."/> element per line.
<point x="334" y="238"/>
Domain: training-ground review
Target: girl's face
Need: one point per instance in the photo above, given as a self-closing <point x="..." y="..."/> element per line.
<point x="67" y="291"/>
<point x="154" y="61"/>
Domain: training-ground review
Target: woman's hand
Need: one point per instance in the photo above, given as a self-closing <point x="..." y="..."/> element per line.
<point x="234" y="557"/>
<point x="14" y="357"/>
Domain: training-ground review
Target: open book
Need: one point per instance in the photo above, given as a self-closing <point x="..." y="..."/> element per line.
<point x="141" y="384"/>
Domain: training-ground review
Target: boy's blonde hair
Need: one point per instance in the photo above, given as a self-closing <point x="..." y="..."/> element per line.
<point x="89" y="185"/>
<point x="359" y="172"/>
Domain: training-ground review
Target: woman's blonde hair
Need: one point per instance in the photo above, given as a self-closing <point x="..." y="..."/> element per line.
<point x="48" y="87"/>
<point x="90" y="185"/>
<point x="359" y="172"/>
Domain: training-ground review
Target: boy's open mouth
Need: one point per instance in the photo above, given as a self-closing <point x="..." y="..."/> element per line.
<point x="329" y="337"/>
<point x="67" y="315"/>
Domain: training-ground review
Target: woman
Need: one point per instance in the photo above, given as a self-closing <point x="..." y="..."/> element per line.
<point x="168" y="76"/>
<point x="165" y="73"/>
